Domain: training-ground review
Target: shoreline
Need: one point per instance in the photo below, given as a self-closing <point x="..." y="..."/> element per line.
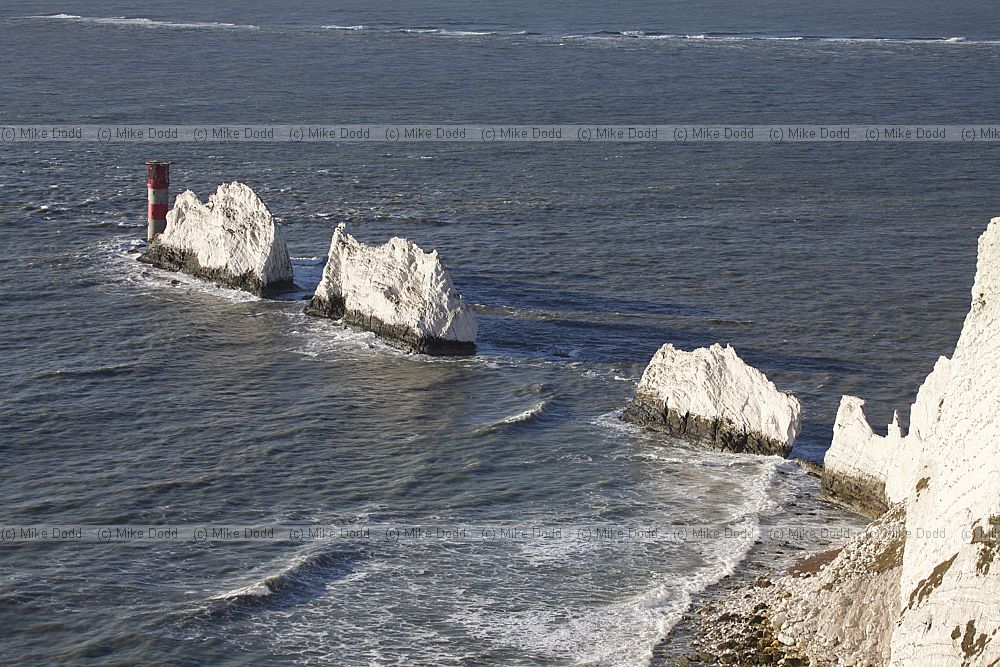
<point x="728" y="622"/>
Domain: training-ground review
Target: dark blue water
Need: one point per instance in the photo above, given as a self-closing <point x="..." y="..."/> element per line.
<point x="126" y="398"/>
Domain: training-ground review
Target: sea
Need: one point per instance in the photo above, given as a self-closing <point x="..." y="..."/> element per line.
<point x="512" y="518"/>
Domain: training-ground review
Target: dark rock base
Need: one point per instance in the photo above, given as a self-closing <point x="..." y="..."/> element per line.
<point x="718" y="433"/>
<point x="403" y="338"/>
<point x="864" y="495"/>
<point x="185" y="261"/>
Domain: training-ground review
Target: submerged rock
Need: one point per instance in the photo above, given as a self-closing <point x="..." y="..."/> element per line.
<point x="711" y="397"/>
<point x="396" y="290"/>
<point x="231" y="240"/>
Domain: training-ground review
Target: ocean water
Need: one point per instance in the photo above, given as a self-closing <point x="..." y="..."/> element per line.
<point x="133" y="396"/>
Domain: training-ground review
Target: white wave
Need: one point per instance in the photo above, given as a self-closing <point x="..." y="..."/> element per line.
<point x="525" y="415"/>
<point x="622" y="633"/>
<point x="626" y="631"/>
<point x="756" y="502"/>
<point x="119" y="259"/>
<point x="612" y="421"/>
<point x="907" y="40"/>
<point x="444" y="32"/>
<point x="603" y="35"/>
<point x="725" y="555"/>
<point x="467" y="33"/>
<point x="519" y="418"/>
<point x="304" y="572"/>
<point x="606" y="635"/>
<point x="322" y="338"/>
<point x="565" y="548"/>
<point x="764" y="37"/>
<point x="256" y="590"/>
<point x="753" y="37"/>
<point x="143" y="22"/>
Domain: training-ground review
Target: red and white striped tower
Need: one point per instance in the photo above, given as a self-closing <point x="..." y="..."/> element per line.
<point x="158" y="185"/>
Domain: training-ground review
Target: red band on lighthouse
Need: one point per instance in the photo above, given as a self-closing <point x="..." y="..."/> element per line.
<point x="158" y="193"/>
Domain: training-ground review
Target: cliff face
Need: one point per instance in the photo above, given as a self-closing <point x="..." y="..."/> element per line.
<point x="398" y="291"/>
<point x="231" y="240"/>
<point x="945" y="473"/>
<point x="950" y="583"/>
<point x="846" y="612"/>
<point x="710" y="396"/>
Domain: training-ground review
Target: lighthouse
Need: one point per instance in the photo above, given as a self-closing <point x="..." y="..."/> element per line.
<point x="158" y="191"/>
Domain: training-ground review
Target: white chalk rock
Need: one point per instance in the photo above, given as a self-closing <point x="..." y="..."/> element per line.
<point x="950" y="584"/>
<point x="713" y="397"/>
<point x="398" y="291"/>
<point x="231" y="240"/>
<point x="947" y="472"/>
<point x="868" y="472"/>
<point x="845" y="613"/>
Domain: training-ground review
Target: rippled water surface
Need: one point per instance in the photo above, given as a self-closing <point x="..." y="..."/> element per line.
<point x="129" y="395"/>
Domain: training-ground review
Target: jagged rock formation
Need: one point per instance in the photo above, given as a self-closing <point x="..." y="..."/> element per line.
<point x="869" y="473"/>
<point x="231" y="240"/>
<point x="710" y="396"/>
<point x="947" y="473"/>
<point x="396" y="290"/>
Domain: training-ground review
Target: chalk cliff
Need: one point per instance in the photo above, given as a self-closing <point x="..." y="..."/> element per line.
<point x="869" y="473"/>
<point x="944" y="476"/>
<point x="950" y="583"/>
<point x="712" y="397"/>
<point x="846" y="612"/>
<point x="231" y="240"/>
<point x="396" y="290"/>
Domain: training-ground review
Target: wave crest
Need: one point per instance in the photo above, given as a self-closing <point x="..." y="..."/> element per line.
<point x="522" y="417"/>
<point x="306" y="576"/>
<point x="473" y="31"/>
<point x="142" y="22"/>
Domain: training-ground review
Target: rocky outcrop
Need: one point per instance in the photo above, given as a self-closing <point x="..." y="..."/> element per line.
<point x="711" y="397"/>
<point x="867" y="472"/>
<point x="945" y="475"/>
<point x="396" y="290"/>
<point x="231" y="240"/>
